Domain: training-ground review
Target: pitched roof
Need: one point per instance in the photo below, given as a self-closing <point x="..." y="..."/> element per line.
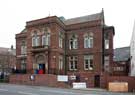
<point x="24" y="30"/>
<point x="3" y="50"/>
<point x="121" y="54"/>
<point x="7" y="51"/>
<point x="82" y="19"/>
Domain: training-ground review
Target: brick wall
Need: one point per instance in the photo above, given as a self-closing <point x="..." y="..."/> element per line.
<point x="42" y="80"/>
<point x="87" y="77"/>
<point x="51" y="80"/>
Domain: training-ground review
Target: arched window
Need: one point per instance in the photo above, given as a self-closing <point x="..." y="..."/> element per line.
<point x="106" y="40"/>
<point x="23" y="47"/>
<point x="35" y="39"/>
<point x="60" y="39"/>
<point x="88" y="40"/>
<point x="73" y="42"/>
<point x="46" y="37"/>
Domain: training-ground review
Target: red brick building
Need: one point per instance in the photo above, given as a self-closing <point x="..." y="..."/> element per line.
<point x="81" y="46"/>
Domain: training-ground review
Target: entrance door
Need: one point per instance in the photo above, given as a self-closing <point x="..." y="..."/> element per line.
<point x="97" y="80"/>
<point x="42" y="68"/>
<point x="40" y="61"/>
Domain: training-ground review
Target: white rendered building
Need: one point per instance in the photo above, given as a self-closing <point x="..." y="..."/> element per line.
<point x="132" y="52"/>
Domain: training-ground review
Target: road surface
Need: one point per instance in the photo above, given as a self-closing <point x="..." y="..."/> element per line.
<point x="10" y="89"/>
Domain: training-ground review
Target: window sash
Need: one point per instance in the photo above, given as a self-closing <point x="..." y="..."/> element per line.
<point x="43" y="40"/>
<point x="106" y="63"/>
<point x="23" y="49"/>
<point x="73" y="44"/>
<point x="91" y="42"/>
<point x="71" y="67"/>
<point x="60" y="42"/>
<point x="23" y="64"/>
<point x="60" y="63"/>
<point x="85" y="43"/>
<point x="88" y="42"/>
<point x="88" y="62"/>
<point x="46" y="39"/>
<point x="106" y="43"/>
<point x="73" y="63"/>
<point x="35" y="41"/>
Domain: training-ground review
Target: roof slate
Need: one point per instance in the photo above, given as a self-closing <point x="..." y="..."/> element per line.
<point x="121" y="54"/>
<point x="82" y="19"/>
<point x="7" y="51"/>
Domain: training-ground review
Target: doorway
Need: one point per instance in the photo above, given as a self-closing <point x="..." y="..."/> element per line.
<point x="97" y="81"/>
<point x="41" y="68"/>
<point x="40" y="65"/>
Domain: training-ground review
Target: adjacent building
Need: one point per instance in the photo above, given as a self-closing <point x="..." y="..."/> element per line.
<point x="81" y="47"/>
<point x="7" y="61"/>
<point x="121" y="65"/>
<point x="132" y="52"/>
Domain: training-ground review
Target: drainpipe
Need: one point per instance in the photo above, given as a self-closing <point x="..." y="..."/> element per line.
<point x="65" y="49"/>
<point x="103" y="47"/>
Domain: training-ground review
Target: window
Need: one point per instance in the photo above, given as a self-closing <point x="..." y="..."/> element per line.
<point x="23" y="64"/>
<point x="46" y="40"/>
<point x="35" y="39"/>
<point x="88" y="41"/>
<point x="73" y="44"/>
<point x="106" y="63"/>
<point x="118" y="69"/>
<point x="23" y="47"/>
<point x="88" y="62"/>
<point x="46" y="37"/>
<point x="60" y="62"/>
<point x="106" y="43"/>
<point x="73" y="63"/>
<point x="60" y="40"/>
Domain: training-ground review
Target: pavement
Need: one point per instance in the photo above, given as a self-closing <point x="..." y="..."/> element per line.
<point x="13" y="89"/>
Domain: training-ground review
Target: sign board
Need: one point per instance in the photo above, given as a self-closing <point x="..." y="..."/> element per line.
<point x="78" y="85"/>
<point x="62" y="78"/>
<point x="72" y="77"/>
<point x="118" y="86"/>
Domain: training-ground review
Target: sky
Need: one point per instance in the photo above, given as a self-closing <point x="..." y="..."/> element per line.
<point x="15" y="13"/>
